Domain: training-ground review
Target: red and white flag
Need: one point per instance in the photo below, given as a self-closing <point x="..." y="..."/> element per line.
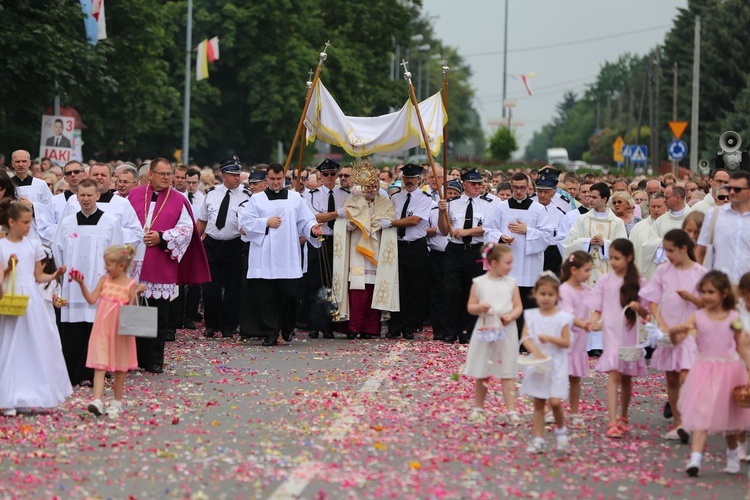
<point x="208" y="51"/>
<point x="97" y="12"/>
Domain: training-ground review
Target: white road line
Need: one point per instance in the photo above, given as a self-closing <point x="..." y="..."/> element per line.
<point x="305" y="472"/>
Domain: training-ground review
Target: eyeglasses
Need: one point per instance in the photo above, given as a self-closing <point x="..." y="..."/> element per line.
<point x="736" y="189"/>
<point x="519" y="188"/>
<point x="162" y="174"/>
<point x="304" y="178"/>
<point x="617" y="202"/>
<point x="329" y="174"/>
<point x="73" y="172"/>
<point x="346" y="176"/>
<point x="722" y="197"/>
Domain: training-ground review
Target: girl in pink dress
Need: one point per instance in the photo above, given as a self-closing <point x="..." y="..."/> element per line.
<point x="615" y="290"/>
<point x="706" y="401"/>
<point x="109" y="351"/>
<point x="673" y="296"/>
<point x="574" y="291"/>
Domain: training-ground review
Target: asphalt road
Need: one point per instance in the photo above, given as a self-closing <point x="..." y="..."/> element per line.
<point x="336" y="419"/>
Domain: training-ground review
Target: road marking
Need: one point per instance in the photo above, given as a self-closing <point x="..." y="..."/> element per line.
<point x="305" y="473"/>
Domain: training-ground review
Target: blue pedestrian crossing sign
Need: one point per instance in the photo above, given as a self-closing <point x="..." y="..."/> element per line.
<point x="639" y="154"/>
<point x="677" y="150"/>
<point x="627" y="150"/>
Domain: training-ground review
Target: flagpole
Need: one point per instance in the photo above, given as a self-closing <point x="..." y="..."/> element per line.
<point x="186" y="116"/>
<point x="302" y="142"/>
<point x="440" y="185"/>
<point x="310" y="91"/>
<point x="446" y="69"/>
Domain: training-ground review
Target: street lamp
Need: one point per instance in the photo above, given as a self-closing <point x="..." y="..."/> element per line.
<point x="422" y="48"/>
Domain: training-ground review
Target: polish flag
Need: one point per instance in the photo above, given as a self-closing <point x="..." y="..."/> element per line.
<point x="97" y="12"/>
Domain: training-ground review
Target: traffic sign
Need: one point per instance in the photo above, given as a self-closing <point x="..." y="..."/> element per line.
<point x="627" y="150"/>
<point x="677" y="150"/>
<point x="617" y="150"/>
<point x="639" y="154"/>
<point x="678" y="128"/>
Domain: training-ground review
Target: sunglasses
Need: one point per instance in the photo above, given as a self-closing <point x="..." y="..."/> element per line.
<point x="346" y="176"/>
<point x="736" y="189"/>
<point x="73" y="172"/>
<point x="329" y="174"/>
<point x="722" y="197"/>
<point x="304" y="178"/>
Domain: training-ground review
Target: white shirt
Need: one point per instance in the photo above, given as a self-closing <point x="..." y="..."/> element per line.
<point x="438" y="242"/>
<point x="317" y="202"/>
<point x="731" y="241"/>
<point x="480" y="206"/>
<point x="209" y="211"/>
<point x="420" y="205"/>
<point x="51" y="216"/>
<point x="38" y="193"/>
<point x="196" y="202"/>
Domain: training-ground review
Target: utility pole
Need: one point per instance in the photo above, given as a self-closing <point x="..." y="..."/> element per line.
<point x="657" y="116"/>
<point x="694" y="118"/>
<point x="186" y="116"/>
<point x="608" y="116"/>
<point x="505" y="57"/>
<point x="652" y="130"/>
<point x="674" y="109"/>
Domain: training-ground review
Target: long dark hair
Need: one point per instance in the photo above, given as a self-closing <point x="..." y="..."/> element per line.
<point x="681" y="239"/>
<point x="631" y="283"/>
<point x="7" y="184"/>
<point x="577" y="259"/>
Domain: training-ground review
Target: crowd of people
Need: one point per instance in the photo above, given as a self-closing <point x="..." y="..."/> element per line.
<point x="568" y="267"/>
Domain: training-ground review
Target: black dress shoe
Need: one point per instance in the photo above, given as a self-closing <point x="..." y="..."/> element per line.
<point x="667" y="413"/>
<point x="190" y="325"/>
<point x="328" y="335"/>
<point x="408" y="336"/>
<point x="392" y="335"/>
<point x="270" y="341"/>
<point x="170" y="336"/>
<point x="154" y="369"/>
<point x="287" y="336"/>
<point x="209" y="333"/>
<point x="353" y="335"/>
<point x="448" y="340"/>
<point x="313" y="335"/>
<point x="368" y="336"/>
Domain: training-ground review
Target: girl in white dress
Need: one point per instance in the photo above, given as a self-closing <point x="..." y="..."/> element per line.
<point x="546" y="334"/>
<point x="493" y="349"/>
<point x="32" y="367"/>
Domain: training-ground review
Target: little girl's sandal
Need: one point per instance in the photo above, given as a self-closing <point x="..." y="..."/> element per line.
<point x="623" y="424"/>
<point x="614" y="431"/>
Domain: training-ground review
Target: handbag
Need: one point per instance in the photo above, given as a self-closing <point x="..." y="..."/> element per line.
<point x="138" y="321"/>
<point x="12" y="304"/>
<point x="708" y="260"/>
<point x="490" y="333"/>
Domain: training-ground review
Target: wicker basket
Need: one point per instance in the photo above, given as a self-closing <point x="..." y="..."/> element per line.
<point x="629" y="354"/>
<point x="741" y="395"/>
<point x="10" y="303"/>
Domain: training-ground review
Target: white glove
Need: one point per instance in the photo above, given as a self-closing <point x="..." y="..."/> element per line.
<point x="341" y="212"/>
<point x="385" y="224"/>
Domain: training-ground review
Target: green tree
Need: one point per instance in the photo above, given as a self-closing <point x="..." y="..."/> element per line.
<point x="503" y="144"/>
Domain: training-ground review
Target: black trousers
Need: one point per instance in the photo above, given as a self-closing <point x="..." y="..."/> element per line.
<point x="193" y="300"/>
<point x="437" y="293"/>
<point x="528" y="302"/>
<point x="553" y="260"/>
<point x="462" y="264"/>
<point x="270" y="307"/>
<point x="74" y="338"/>
<point x="413" y="274"/>
<point x="314" y="310"/>
<point x="221" y="296"/>
<point x="177" y="310"/>
<point x="151" y="351"/>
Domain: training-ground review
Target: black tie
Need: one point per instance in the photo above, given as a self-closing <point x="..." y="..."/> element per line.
<point x="402" y="230"/>
<point x="468" y="221"/>
<point x="57" y="141"/>
<point x="221" y="219"/>
<point x="191" y="196"/>
<point x="331" y="208"/>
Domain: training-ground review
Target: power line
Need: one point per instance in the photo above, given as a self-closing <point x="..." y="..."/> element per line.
<point x="567" y="44"/>
<point x="546" y="87"/>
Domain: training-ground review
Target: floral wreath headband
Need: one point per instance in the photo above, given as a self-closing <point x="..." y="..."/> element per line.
<point x="548" y="274"/>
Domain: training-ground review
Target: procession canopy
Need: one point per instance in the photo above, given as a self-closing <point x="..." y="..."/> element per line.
<point x="361" y="136"/>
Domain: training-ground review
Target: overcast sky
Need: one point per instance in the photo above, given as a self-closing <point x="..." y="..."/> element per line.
<point x="476" y="27"/>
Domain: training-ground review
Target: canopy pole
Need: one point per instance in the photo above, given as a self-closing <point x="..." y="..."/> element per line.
<point x="441" y="189"/>
<point x="297" y="134"/>
<point x="446" y="69"/>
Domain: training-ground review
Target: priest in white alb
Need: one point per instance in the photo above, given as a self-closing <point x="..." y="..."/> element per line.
<point x="594" y="231"/>
<point x="652" y="250"/>
<point x="273" y="221"/>
<point x="365" y="259"/>
<point x="79" y="243"/>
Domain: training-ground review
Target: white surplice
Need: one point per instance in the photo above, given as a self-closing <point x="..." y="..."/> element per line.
<point x="117" y="206"/>
<point x="81" y="247"/>
<point x="275" y="252"/>
<point x="652" y="253"/>
<point x="528" y="249"/>
<point x="588" y="225"/>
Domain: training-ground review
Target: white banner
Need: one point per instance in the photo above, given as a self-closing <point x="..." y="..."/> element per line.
<point x="361" y="136"/>
<point x="56" y="141"/>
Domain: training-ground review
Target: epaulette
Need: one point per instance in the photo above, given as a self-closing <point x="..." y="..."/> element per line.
<point x="456" y="198"/>
<point x="426" y="194"/>
<point x="210" y="189"/>
<point x="247" y="192"/>
<point x="486" y="198"/>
